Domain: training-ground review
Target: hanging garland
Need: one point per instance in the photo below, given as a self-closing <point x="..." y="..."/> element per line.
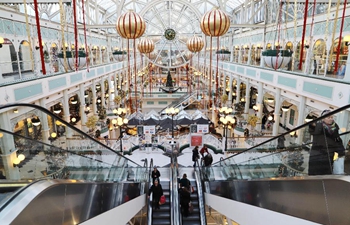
<point x="62" y="18"/>
<point x="39" y="36"/>
<point x="85" y="42"/>
<point x="75" y="35"/>
<point x="326" y="35"/>
<point x="28" y="34"/>
<point x="303" y="36"/>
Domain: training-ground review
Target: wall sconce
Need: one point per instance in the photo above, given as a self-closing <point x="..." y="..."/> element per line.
<point x="98" y="100"/>
<point x="270" y="117"/>
<point x="270" y="100"/>
<point x="87" y="110"/>
<point x="285" y="108"/>
<point x="74" y="101"/>
<point x="256" y="108"/>
<point x="35" y="121"/>
<point x="1" y="41"/>
<point x="38" y="47"/>
<point x="16" y="162"/>
<point x="308" y="118"/>
<point x="293" y="134"/>
<point x="57" y="109"/>
<point x="106" y="95"/>
<point x="15" y="111"/>
<point x="86" y="94"/>
<point x="242" y="100"/>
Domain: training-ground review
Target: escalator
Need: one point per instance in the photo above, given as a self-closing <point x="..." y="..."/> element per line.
<point x="194" y="217"/>
<point x="162" y="216"/>
<point x="276" y="184"/>
<point x="69" y="176"/>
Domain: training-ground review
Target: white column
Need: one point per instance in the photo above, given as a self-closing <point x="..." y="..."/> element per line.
<point x="247" y="98"/>
<point x="301" y="119"/>
<point x="277" y="112"/>
<point x="238" y="90"/>
<point x="8" y="148"/>
<point x="259" y="103"/>
<point x="44" y="123"/>
<point x="103" y="90"/>
<point x="82" y="107"/>
<point x="110" y="86"/>
<point x="230" y="87"/>
<point x="94" y="107"/>
<point x="66" y="115"/>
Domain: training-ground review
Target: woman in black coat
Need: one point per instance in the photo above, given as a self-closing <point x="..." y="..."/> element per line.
<point x="195" y="155"/>
<point x="185" y="199"/>
<point x="157" y="191"/>
<point x="155" y="174"/>
<point x="325" y="142"/>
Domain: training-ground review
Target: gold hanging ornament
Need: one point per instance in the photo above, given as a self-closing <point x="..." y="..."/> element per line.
<point x="130" y="25"/>
<point x="215" y="23"/>
<point x="145" y="46"/>
<point x="195" y="44"/>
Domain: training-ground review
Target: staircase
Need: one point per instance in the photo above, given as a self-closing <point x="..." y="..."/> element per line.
<point x="162" y="216"/>
<point x="194" y="217"/>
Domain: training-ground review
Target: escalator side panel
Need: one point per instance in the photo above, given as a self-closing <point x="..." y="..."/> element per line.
<point x="321" y="200"/>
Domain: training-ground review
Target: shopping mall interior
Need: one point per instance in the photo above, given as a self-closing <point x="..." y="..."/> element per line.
<point x="98" y="93"/>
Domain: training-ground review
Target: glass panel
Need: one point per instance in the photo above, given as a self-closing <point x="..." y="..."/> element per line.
<point x="314" y="148"/>
<point x="41" y="144"/>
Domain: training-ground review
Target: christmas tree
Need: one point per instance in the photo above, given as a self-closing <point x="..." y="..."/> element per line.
<point x="169" y="80"/>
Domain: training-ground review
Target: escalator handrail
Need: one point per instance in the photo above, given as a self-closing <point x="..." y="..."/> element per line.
<point x="288" y="132"/>
<point x="149" y="209"/>
<point x="200" y="197"/>
<point x="65" y="123"/>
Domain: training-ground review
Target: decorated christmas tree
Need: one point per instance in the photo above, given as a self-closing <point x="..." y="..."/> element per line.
<point x="169" y="80"/>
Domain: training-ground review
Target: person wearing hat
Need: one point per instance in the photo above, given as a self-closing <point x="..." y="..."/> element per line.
<point x="155" y="174"/>
<point x="325" y="143"/>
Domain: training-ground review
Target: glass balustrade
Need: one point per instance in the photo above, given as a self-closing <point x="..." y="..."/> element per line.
<point x="310" y="149"/>
<point x="41" y="144"/>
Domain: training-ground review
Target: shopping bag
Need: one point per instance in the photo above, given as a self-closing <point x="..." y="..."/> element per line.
<point x="126" y="198"/>
<point x="338" y="166"/>
<point x="192" y="189"/>
<point x="190" y="207"/>
<point x="162" y="200"/>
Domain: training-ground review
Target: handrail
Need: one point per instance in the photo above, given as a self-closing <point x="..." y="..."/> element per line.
<point x="149" y="207"/>
<point x="200" y="197"/>
<point x="176" y="102"/>
<point x="171" y="192"/>
<point x="65" y="123"/>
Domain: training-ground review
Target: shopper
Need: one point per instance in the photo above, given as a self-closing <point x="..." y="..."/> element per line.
<point x="195" y="156"/>
<point x="325" y="143"/>
<point x="185" y="199"/>
<point x="157" y="191"/>
<point x="155" y="174"/>
<point x="184" y="182"/>
<point x="203" y="150"/>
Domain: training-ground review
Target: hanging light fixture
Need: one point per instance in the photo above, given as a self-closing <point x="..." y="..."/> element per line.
<point x="57" y="109"/>
<point x="285" y="108"/>
<point x="35" y="121"/>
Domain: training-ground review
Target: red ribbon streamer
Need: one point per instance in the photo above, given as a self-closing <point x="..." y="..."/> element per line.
<point x="86" y="50"/>
<point x="39" y="36"/>
<point x="340" y="37"/>
<point x="303" y="37"/>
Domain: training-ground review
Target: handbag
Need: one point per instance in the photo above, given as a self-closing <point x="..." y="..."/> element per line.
<point x="162" y="200"/>
<point x="338" y="166"/>
<point x="126" y="198"/>
<point x="190" y="207"/>
<point x="192" y="189"/>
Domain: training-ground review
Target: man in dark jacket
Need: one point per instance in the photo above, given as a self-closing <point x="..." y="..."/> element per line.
<point x="157" y="191"/>
<point x="155" y="174"/>
<point x="195" y="155"/>
<point x="185" y="199"/>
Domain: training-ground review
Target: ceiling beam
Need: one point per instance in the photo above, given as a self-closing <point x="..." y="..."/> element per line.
<point x="102" y="26"/>
<point x="32" y="1"/>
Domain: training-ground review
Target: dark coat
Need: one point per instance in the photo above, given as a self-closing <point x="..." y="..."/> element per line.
<point x="184" y="182"/>
<point x="208" y="160"/>
<point x="155" y="174"/>
<point x="157" y="191"/>
<point x="324" y="144"/>
<point x="195" y="154"/>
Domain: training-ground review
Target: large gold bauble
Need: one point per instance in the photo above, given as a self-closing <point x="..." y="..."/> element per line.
<point x="195" y="44"/>
<point x="215" y="23"/>
<point x="130" y="25"/>
<point x="145" y="46"/>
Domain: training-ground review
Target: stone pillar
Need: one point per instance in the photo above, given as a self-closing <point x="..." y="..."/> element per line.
<point x="277" y="112"/>
<point x="238" y="90"/>
<point x="8" y="149"/>
<point x="66" y="115"/>
<point x="82" y="107"/>
<point x="230" y="88"/>
<point x="247" y="99"/>
<point x="103" y="90"/>
<point x="94" y="98"/>
<point x="301" y="119"/>
<point x="260" y="104"/>
<point x="44" y="123"/>
<point x="110" y="88"/>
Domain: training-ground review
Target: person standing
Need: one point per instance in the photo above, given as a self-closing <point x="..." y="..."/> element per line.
<point x="195" y="156"/>
<point x="326" y="141"/>
<point x="280" y="142"/>
<point x="185" y="199"/>
<point x="184" y="182"/>
<point x="157" y="191"/>
<point x="155" y="174"/>
<point x="204" y="150"/>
